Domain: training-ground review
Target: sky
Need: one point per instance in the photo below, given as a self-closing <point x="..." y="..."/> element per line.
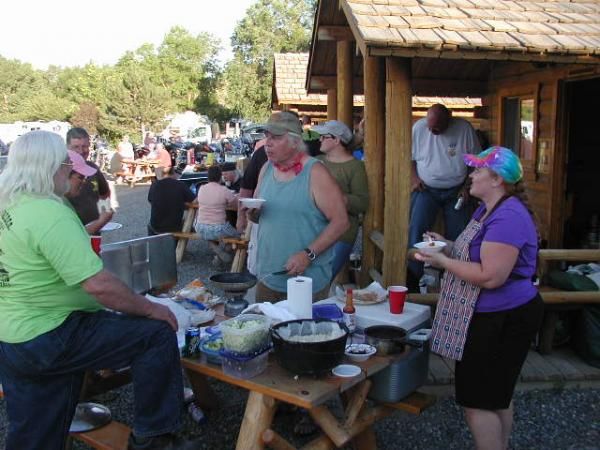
<point x="72" y="33"/>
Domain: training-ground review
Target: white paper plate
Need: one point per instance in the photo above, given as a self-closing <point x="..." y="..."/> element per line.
<point x="346" y="370"/>
<point x="252" y="203"/>
<point x="111" y="226"/>
<point x="202" y="316"/>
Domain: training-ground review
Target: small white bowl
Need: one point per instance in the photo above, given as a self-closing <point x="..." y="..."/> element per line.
<point x="426" y="247"/>
<point x="252" y="203"/>
<point x="360" y="352"/>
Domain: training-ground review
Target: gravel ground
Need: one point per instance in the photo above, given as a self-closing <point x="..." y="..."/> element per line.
<point x="544" y="419"/>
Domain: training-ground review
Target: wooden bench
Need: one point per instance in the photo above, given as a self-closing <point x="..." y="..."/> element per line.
<point x="114" y="436"/>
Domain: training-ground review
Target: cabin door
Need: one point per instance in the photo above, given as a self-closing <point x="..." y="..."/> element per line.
<point x="581" y="227"/>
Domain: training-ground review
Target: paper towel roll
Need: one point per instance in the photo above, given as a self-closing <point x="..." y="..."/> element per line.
<point x="299" y="294"/>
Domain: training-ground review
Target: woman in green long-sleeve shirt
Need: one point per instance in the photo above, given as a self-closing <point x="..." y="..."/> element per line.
<point x="351" y="176"/>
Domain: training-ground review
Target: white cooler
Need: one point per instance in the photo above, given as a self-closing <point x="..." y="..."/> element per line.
<point x="412" y="318"/>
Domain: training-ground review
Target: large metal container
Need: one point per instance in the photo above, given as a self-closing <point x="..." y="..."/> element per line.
<point x="406" y="373"/>
<point x="143" y="264"/>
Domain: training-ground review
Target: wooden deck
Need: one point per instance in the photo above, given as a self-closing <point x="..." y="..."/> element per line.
<point x="560" y="369"/>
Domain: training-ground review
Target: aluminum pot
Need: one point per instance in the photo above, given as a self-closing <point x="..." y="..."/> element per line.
<point x="388" y="339"/>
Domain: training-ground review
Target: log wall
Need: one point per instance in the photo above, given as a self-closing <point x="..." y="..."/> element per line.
<point x="545" y="187"/>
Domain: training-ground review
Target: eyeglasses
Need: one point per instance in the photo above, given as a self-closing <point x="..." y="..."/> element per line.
<point x="326" y="136"/>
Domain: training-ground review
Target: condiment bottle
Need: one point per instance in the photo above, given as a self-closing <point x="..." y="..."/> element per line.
<point x="349" y="312"/>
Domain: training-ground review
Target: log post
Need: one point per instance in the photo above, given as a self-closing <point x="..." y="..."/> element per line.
<point x="331" y="104"/>
<point x="398" y="140"/>
<point x="374" y="146"/>
<point x="258" y="416"/>
<point x="344" y="82"/>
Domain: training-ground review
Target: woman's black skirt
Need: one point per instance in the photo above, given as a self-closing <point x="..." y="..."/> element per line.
<point x="495" y="350"/>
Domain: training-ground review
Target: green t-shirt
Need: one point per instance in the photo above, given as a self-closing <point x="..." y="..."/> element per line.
<point x="45" y="254"/>
<point x="352" y="179"/>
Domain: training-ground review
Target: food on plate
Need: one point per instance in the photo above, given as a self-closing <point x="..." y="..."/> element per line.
<point x="365" y="296"/>
<point x="430" y="247"/>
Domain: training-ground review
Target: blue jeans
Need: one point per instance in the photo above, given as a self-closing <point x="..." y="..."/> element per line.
<point x="341" y="253"/>
<point x="424" y="208"/>
<point x="42" y="378"/>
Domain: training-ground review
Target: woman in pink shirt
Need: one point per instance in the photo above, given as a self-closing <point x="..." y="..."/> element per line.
<point x="213" y="199"/>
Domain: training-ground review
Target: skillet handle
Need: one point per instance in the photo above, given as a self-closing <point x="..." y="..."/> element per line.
<point x="421" y="335"/>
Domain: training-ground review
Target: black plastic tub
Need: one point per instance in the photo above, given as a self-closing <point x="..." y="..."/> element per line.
<point x="302" y="358"/>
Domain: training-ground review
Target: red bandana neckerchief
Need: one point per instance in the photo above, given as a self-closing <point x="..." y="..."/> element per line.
<point x="296" y="165"/>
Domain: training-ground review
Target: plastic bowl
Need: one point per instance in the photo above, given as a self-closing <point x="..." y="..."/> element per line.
<point x="360" y="352"/>
<point x="252" y="203"/>
<point x="426" y="247"/>
<point x="211" y="348"/>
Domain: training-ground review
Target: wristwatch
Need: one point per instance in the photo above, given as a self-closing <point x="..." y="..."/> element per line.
<point x="311" y="255"/>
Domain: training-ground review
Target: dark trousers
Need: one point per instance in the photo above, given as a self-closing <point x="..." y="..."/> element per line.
<point x="42" y="378"/>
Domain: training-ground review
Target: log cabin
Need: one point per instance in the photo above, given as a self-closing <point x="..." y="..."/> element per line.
<point x="536" y="66"/>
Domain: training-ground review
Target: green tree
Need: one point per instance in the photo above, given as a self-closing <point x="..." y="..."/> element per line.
<point x="87" y="116"/>
<point x="18" y="83"/>
<point x="184" y="65"/>
<point x="136" y="104"/>
<point x="270" y="26"/>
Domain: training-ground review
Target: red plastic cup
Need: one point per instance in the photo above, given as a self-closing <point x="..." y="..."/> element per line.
<point x="397" y="296"/>
<point x="96" y="242"/>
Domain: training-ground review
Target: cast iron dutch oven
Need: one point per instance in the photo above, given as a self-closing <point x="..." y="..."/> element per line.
<point x="389" y="339"/>
<point x="308" y="357"/>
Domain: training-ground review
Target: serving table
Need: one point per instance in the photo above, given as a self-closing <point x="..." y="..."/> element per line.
<point x="275" y="385"/>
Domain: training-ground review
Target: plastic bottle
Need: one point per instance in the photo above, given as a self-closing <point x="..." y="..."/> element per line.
<point x="349" y="312"/>
<point x="196" y="413"/>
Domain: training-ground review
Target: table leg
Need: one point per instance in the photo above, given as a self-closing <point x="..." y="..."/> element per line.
<point x="188" y="221"/>
<point x="204" y="396"/>
<point x="260" y="409"/>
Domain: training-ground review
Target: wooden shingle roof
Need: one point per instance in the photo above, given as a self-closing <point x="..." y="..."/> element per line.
<point x="289" y="80"/>
<point x="543" y="30"/>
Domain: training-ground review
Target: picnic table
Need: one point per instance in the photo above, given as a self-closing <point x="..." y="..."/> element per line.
<point x="275" y="385"/>
<point x="139" y="170"/>
<point x="183" y="236"/>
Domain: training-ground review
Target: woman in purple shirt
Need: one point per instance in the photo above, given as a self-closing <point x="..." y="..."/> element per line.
<point x="489" y="310"/>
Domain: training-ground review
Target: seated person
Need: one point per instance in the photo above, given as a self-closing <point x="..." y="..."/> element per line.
<point x="77" y="178"/>
<point x="211" y="221"/>
<point x="61" y="313"/>
<point x="168" y="198"/>
<point x="233" y="180"/>
<point x="165" y="161"/>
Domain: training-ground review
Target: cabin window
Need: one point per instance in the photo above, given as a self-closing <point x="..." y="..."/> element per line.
<point x="519" y="126"/>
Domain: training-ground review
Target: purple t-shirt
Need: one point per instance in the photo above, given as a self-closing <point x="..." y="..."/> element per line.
<point x="509" y="224"/>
